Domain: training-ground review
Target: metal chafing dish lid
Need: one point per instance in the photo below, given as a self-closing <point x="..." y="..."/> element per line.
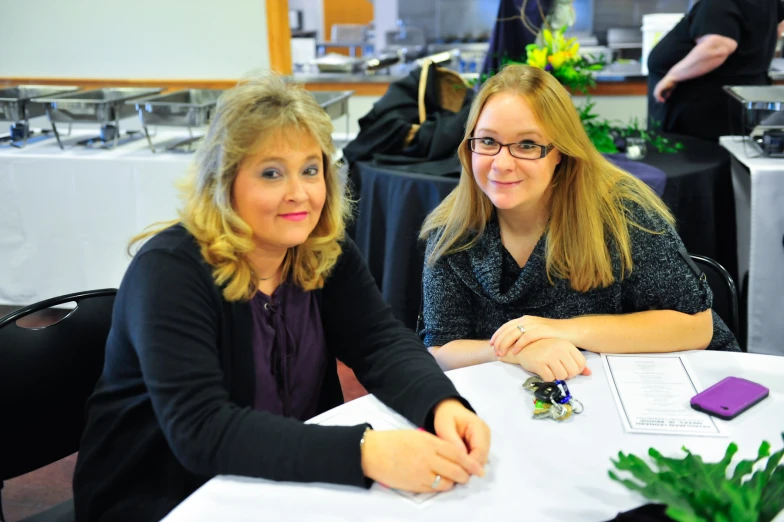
<point x="101" y="95"/>
<point x="189" y="97"/>
<point x="770" y="97"/>
<point x="27" y="92"/>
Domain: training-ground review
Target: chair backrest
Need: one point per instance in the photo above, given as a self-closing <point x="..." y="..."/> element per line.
<point x="46" y="376"/>
<point x="725" y="293"/>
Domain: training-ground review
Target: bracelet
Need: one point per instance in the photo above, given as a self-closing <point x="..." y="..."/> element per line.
<point x="362" y="440"/>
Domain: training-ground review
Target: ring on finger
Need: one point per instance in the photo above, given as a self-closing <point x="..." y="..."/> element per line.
<point x="521" y="328"/>
<point x="436" y="482"/>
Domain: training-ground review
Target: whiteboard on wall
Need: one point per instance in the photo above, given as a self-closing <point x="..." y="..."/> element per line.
<point x="149" y="39"/>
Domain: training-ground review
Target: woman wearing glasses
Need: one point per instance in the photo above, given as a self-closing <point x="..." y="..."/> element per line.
<point x="545" y="247"/>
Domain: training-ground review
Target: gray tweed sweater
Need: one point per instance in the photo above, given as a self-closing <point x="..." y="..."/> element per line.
<point x="470" y="294"/>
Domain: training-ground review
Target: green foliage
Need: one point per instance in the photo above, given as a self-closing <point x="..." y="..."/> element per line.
<point x="603" y="132"/>
<point x="696" y="491"/>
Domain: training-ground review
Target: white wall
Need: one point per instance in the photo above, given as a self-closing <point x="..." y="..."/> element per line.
<point x="385" y="14"/>
<point x="167" y="39"/>
<point x="620" y="108"/>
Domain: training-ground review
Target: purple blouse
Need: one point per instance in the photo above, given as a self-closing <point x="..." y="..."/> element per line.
<point x="289" y="352"/>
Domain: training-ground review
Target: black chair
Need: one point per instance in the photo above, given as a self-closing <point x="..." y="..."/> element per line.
<point x="725" y="294"/>
<point x="46" y="376"/>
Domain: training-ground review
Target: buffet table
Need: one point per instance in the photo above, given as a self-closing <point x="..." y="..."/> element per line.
<point x="759" y="201"/>
<point x="66" y="215"/>
<point x="538" y="469"/>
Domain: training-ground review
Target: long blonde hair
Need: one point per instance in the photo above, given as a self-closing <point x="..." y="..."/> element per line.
<point x="246" y="114"/>
<point x="589" y="194"/>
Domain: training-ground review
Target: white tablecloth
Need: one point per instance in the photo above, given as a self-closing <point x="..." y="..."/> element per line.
<point x="539" y="470"/>
<point x="66" y="216"/>
<point x="758" y="183"/>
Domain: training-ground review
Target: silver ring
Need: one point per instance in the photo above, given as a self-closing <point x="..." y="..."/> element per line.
<point x="436" y="482"/>
<point x="521" y="328"/>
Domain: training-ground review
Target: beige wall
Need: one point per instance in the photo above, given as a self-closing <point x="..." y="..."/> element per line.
<point x="149" y="39"/>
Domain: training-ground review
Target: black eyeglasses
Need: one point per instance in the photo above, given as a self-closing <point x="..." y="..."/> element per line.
<point x="522" y="150"/>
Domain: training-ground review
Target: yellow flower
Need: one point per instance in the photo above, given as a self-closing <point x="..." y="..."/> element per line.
<point x="557" y="59"/>
<point x="547" y="36"/>
<point x="573" y="49"/>
<point x="537" y="58"/>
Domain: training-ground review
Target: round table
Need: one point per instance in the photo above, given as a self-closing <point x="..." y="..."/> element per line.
<point x="394" y="202"/>
<point x="539" y="469"/>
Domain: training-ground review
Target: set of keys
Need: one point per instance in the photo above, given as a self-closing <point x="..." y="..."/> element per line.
<point x="552" y="399"/>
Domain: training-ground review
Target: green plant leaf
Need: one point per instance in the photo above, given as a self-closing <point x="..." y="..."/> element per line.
<point x="772" y="500"/>
<point x="680" y="515"/>
<point x="744" y="467"/>
<point x="694" y="490"/>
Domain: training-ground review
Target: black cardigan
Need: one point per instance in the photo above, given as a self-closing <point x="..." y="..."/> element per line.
<point x="173" y="406"/>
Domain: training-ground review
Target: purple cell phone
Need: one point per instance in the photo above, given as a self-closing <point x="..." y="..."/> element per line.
<point x="729" y="397"/>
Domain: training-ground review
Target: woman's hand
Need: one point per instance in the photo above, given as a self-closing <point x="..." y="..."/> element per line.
<point x="519" y="333"/>
<point x="551" y="359"/>
<point x="664" y="88"/>
<point x="455" y="423"/>
<point x="410" y="460"/>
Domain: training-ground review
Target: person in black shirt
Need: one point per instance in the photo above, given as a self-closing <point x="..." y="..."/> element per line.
<point x="718" y="43"/>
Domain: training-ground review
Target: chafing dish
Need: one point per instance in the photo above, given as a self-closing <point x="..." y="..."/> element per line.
<point x="337" y="63"/>
<point x="105" y="106"/>
<point x="335" y="103"/>
<point x="17" y="106"/>
<point x="185" y="108"/>
<point x="762" y="115"/>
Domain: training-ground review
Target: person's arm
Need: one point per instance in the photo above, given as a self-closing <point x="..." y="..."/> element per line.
<point x="448" y="330"/>
<point x="393" y="364"/>
<point x="649" y="331"/>
<point x="388" y="359"/>
<point x="463" y="352"/>
<point x="711" y="51"/>
<point x="716" y="29"/>
<point x="665" y="304"/>
<point x="172" y="316"/>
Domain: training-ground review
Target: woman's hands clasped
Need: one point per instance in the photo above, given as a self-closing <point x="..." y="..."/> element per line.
<point x="541" y="346"/>
<point x="550" y="359"/>
<point x="411" y="460"/>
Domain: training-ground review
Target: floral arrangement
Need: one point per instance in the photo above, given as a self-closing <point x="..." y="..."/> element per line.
<point x="561" y="58"/>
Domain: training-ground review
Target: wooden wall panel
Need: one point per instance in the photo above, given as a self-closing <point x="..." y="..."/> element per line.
<point x="279" y="36"/>
<point x="345" y="12"/>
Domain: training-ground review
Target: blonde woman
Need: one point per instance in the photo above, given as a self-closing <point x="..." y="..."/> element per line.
<point x="545" y="247"/>
<point x="227" y="325"/>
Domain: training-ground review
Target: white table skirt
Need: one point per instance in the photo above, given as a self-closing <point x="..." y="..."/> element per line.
<point x="66" y="215"/>
<point x="758" y="183"/>
<point x="539" y="470"/>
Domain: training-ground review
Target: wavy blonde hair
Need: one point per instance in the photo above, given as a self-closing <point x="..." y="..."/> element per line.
<point x="589" y="195"/>
<point x="245" y="115"/>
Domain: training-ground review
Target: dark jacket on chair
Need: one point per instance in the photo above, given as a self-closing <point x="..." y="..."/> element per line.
<point x="173" y="406"/>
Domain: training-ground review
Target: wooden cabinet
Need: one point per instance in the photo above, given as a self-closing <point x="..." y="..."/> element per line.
<point x="345" y="12"/>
